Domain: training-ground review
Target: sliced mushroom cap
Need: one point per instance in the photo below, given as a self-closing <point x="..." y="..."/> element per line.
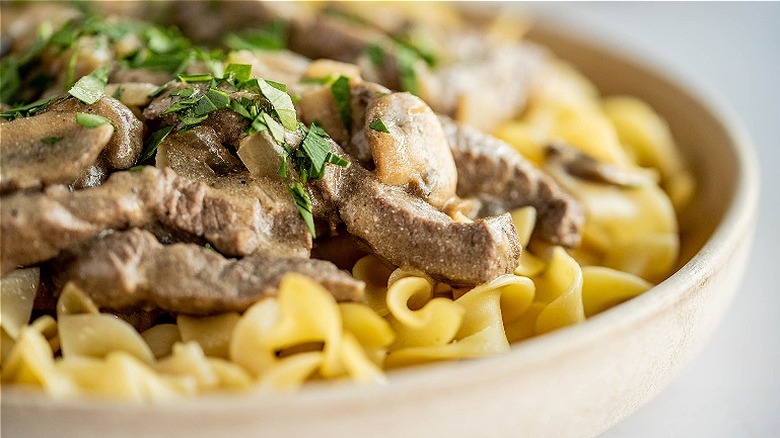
<point x="584" y="166"/>
<point x="414" y="153"/>
<point x="126" y="145"/>
<point x="49" y="148"/>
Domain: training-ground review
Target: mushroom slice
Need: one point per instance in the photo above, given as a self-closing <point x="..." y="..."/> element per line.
<point x="131" y="269"/>
<point x="49" y="148"/>
<point x="411" y="151"/>
<point x="126" y="145"/>
<point x="584" y="166"/>
<point x="493" y="172"/>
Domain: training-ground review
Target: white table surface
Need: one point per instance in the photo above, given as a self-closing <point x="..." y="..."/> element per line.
<point x="732" y="388"/>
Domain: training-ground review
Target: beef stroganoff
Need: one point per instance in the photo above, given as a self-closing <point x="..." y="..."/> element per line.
<point x="284" y="193"/>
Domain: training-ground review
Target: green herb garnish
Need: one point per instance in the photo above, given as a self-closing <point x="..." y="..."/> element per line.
<point x="193" y="78"/>
<point x="341" y="91"/>
<point x="303" y="202"/>
<point x="272" y="37"/>
<point x="238" y="73"/>
<point x="51" y="140"/>
<point x="379" y="125"/>
<point x="154" y="140"/>
<point x="27" y="110"/>
<point x="407" y="60"/>
<point x="91" y="120"/>
<point x="375" y="54"/>
<point x="281" y="103"/>
<point x="90" y="88"/>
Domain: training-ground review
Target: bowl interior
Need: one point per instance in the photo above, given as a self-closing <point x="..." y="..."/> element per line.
<point x="578" y="380"/>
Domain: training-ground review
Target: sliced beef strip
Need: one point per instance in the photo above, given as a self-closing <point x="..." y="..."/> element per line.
<point x="49" y="148"/>
<point x="37" y="226"/>
<point x="492" y="171"/>
<point x="412" y="234"/>
<point x="198" y="155"/>
<point x="132" y="269"/>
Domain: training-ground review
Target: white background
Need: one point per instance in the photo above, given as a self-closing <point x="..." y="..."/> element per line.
<point x="732" y="388"/>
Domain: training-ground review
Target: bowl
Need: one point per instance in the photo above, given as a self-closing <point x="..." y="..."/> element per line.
<point x="577" y="381"/>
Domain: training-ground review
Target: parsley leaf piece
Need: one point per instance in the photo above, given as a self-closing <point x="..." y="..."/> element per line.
<point x="240" y="72"/>
<point x="341" y="91"/>
<point x="258" y="124"/>
<point x="379" y="125"/>
<point x="154" y="140"/>
<point x="407" y="60"/>
<point x="281" y="103"/>
<point x="190" y="121"/>
<point x="375" y="54"/>
<point x="184" y="92"/>
<point x="338" y="161"/>
<point x="278" y="85"/>
<point x="272" y="37"/>
<point x="200" y="77"/>
<point x="240" y="109"/>
<point x="51" y="140"/>
<point x="90" y="88"/>
<point x="28" y="109"/>
<point x="303" y="202"/>
<point x="91" y="120"/>
<point x="213" y="100"/>
<point x="277" y="130"/>
<point x="9" y="80"/>
<point x="316" y="149"/>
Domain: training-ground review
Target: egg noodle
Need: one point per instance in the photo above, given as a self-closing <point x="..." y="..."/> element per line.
<point x="630" y="242"/>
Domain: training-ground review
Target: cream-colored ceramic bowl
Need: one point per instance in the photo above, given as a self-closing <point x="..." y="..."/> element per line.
<point x="577" y="381"/>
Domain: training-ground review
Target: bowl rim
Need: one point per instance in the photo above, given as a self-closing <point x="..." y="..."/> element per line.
<point x="739" y="215"/>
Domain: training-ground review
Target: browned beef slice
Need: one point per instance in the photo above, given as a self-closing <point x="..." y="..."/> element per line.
<point x="502" y="179"/>
<point x="198" y="155"/>
<point x="36" y="227"/>
<point x="49" y="148"/>
<point x="132" y="269"/>
<point x="412" y="234"/>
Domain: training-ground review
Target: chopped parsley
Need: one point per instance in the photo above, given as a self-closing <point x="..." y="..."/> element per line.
<point x="375" y="54"/>
<point x="281" y="102"/>
<point x="379" y="125"/>
<point x="303" y="202"/>
<point x="407" y="60"/>
<point x="199" y="77"/>
<point x="27" y="110"/>
<point x="91" y="120"/>
<point x="90" y="88"/>
<point x="272" y="37"/>
<point x="154" y="140"/>
<point x="238" y="73"/>
<point x="341" y="91"/>
<point x="51" y="140"/>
